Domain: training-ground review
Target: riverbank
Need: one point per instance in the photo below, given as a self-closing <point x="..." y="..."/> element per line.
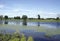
<point x="34" y="20"/>
<point x="44" y="20"/>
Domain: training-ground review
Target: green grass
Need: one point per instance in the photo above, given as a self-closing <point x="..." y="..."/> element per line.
<point x="35" y="20"/>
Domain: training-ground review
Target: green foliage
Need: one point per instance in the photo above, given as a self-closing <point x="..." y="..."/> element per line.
<point x="5" y="37"/>
<point x="57" y="18"/>
<point x="1" y="16"/>
<point x="38" y="16"/>
<point x="24" y="17"/>
<point x="47" y="36"/>
<point x="15" y="37"/>
<point x="6" y="17"/>
<point x="16" y="34"/>
<point x="23" y="38"/>
<point x="30" y="38"/>
<point x="17" y="17"/>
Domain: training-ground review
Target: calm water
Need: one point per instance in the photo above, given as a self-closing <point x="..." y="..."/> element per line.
<point x="46" y="24"/>
<point x="38" y="36"/>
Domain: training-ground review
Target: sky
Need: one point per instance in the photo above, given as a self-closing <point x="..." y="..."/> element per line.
<point x="31" y="8"/>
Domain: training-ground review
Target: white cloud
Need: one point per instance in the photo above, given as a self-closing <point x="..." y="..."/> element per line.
<point x="29" y="13"/>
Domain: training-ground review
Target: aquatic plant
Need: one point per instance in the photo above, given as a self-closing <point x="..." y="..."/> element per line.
<point x="30" y="38"/>
<point x="14" y="37"/>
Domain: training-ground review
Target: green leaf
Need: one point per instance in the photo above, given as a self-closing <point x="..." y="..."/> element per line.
<point x="30" y="38"/>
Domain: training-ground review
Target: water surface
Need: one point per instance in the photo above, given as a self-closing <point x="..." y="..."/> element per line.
<point x="37" y="30"/>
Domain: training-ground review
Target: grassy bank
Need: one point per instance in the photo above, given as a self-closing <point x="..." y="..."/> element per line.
<point x="35" y="20"/>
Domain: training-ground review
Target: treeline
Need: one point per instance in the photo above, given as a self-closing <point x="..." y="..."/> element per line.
<point x="26" y="17"/>
<point x="15" y="17"/>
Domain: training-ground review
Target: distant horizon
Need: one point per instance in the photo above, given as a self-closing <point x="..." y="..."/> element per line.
<point x="27" y="16"/>
<point x="31" y="8"/>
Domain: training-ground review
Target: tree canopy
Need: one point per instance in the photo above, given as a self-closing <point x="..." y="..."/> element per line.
<point x="38" y="16"/>
<point x="24" y="17"/>
<point x="6" y="17"/>
<point x="17" y="17"/>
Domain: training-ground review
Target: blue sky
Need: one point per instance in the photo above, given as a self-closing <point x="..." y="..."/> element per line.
<point x="31" y="8"/>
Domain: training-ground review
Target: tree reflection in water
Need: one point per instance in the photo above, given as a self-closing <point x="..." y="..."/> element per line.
<point x="24" y="22"/>
<point x="1" y="22"/>
<point x="6" y="22"/>
<point x="57" y="24"/>
<point x="38" y="23"/>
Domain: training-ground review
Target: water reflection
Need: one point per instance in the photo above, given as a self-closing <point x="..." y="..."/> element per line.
<point x="25" y="23"/>
<point x="17" y="22"/>
<point x="57" y="24"/>
<point x="6" y="22"/>
<point x="38" y="23"/>
<point x="46" y="24"/>
<point x="1" y="22"/>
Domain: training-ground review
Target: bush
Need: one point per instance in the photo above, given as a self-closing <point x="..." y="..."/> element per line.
<point x="30" y="38"/>
<point x="14" y="37"/>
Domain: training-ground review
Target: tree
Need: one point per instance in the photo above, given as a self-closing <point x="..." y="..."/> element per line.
<point x="6" y="17"/>
<point x="24" y="17"/>
<point x="17" y="17"/>
<point x="1" y="16"/>
<point x="38" y="16"/>
<point x="57" y="18"/>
